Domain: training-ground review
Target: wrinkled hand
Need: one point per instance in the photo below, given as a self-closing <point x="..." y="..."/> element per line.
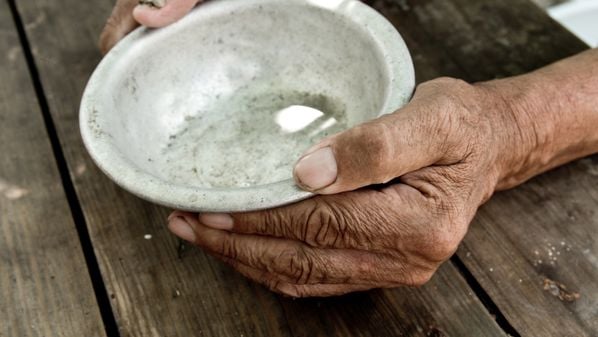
<point x="128" y="14"/>
<point x="439" y="158"/>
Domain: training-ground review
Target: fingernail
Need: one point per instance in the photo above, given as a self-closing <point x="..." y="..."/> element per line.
<point x="153" y="3"/>
<point x="217" y="220"/>
<point x="182" y="229"/>
<point x="317" y="170"/>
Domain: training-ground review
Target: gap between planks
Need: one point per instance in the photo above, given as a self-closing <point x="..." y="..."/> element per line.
<point x="101" y="294"/>
<point x="484" y="297"/>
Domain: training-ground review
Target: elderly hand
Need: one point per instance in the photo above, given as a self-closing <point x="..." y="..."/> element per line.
<point x="128" y="14"/>
<point x="397" y="195"/>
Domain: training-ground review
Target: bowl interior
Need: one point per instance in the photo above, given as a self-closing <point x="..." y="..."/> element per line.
<point x="234" y="97"/>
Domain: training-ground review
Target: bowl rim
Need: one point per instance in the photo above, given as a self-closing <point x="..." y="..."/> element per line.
<point x="401" y="78"/>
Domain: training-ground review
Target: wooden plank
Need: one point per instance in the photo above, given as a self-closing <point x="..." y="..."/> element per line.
<point x="45" y="288"/>
<point x="440" y="308"/>
<point x="153" y="292"/>
<point x="527" y="241"/>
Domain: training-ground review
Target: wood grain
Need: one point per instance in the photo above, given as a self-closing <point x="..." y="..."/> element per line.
<point x="546" y="229"/>
<point x="443" y="307"/>
<point x="45" y="288"/>
<point x="154" y="293"/>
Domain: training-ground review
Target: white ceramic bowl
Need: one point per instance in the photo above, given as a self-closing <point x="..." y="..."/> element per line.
<point x="211" y="113"/>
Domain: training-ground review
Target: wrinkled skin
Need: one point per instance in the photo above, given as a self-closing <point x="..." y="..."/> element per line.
<point x="383" y="236"/>
<point x="396" y="195"/>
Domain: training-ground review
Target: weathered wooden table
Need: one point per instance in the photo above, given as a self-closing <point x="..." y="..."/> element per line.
<point x="75" y="259"/>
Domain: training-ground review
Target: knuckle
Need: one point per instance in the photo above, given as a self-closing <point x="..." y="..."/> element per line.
<point x="323" y="226"/>
<point x="441" y="245"/>
<point x="419" y="279"/>
<point x="368" y="145"/>
<point x="300" y="266"/>
<point x="449" y="93"/>
<point x="289" y="222"/>
<point x="228" y="248"/>
<point x="445" y="83"/>
<point x="332" y="223"/>
<point x="411" y="274"/>
<point x="453" y="83"/>
<point x="439" y="85"/>
<point x="272" y="222"/>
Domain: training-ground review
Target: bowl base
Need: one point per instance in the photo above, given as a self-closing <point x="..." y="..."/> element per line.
<point x="275" y="128"/>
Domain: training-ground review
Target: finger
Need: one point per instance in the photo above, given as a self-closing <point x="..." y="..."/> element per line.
<point x="278" y="285"/>
<point x="159" y="17"/>
<point x="119" y="24"/>
<point x="336" y="221"/>
<point x="375" y="152"/>
<point x="295" y="262"/>
<point x="347" y="220"/>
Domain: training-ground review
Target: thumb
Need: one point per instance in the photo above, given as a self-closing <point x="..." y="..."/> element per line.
<point x="372" y="153"/>
<point x="173" y="10"/>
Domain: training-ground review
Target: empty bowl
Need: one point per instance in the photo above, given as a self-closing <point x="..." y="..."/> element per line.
<point x="212" y="112"/>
